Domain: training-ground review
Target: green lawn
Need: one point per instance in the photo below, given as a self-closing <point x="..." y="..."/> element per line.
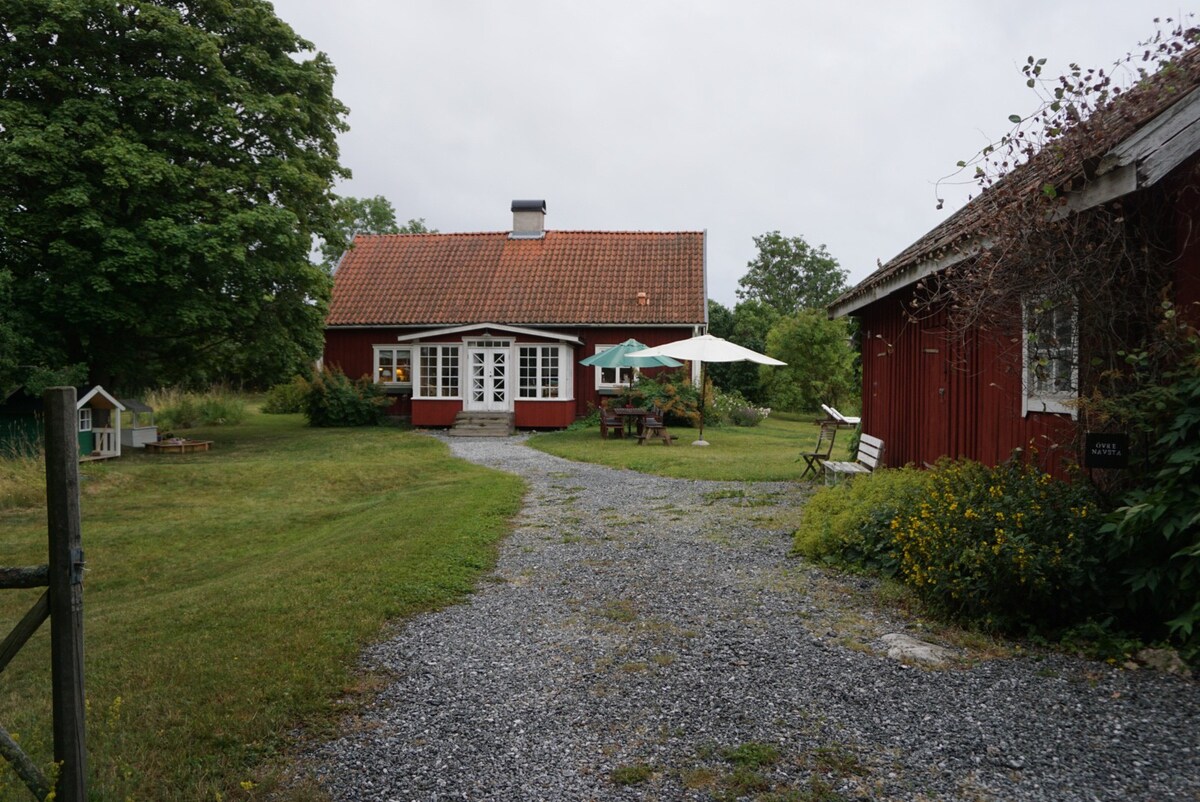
<point x="767" y="452"/>
<point x="228" y="595"/>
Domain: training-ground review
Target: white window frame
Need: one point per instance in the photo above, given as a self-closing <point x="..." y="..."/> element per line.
<point x="394" y="349"/>
<point x="85" y="419"/>
<point x="618" y="384"/>
<point x="442" y="354"/>
<point x="1035" y="398"/>
<point x="543" y="383"/>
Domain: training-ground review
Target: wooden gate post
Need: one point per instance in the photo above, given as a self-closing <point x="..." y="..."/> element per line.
<point x="66" y="592"/>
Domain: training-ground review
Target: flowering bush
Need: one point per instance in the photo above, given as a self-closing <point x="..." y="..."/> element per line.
<point x="732" y="407"/>
<point x="1007" y="547"/>
<point x="850" y="523"/>
<point x="334" y="400"/>
<point x="672" y="392"/>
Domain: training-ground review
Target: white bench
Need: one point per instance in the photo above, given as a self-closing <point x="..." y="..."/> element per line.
<point x="870" y="454"/>
<point x="843" y="421"/>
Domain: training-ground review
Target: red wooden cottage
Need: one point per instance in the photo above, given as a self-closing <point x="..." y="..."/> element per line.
<point x="932" y="387"/>
<point x="497" y="322"/>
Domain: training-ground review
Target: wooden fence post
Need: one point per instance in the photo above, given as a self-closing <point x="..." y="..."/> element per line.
<point x="66" y="592"/>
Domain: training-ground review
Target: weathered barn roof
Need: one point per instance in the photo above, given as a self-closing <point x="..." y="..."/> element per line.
<point x="564" y="277"/>
<point x="1134" y="141"/>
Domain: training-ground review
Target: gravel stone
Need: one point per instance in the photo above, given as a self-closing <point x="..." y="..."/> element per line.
<point x="638" y="620"/>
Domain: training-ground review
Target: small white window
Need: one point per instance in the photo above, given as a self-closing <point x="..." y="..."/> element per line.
<point x="1051" y="356"/>
<point x="85" y="419"/>
<point x="612" y="378"/>
<point x="393" y="365"/>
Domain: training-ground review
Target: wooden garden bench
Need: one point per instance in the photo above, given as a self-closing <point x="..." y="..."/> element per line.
<point x="870" y="454"/>
<point x="821" y="451"/>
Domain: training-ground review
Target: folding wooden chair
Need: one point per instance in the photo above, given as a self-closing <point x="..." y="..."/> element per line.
<point x="814" y="459"/>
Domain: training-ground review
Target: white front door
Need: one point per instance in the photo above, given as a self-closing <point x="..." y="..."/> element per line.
<point x="488" y="384"/>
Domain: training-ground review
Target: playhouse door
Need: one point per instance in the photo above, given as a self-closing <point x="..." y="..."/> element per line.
<point x="488" y="385"/>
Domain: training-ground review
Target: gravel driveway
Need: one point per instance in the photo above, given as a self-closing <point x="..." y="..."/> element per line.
<point x="650" y="638"/>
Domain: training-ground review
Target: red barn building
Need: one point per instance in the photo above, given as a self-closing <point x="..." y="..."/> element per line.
<point x="497" y="322"/>
<point x="932" y="389"/>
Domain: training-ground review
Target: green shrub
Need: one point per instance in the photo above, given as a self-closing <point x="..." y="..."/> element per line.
<point x="1009" y="548"/>
<point x="334" y="400"/>
<point x="850" y="524"/>
<point x="732" y="407"/>
<point x="176" y="409"/>
<point x="286" y="398"/>
<point x="1155" y="536"/>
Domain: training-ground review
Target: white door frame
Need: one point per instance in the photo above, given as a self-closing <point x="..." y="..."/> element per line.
<point x="489" y="375"/>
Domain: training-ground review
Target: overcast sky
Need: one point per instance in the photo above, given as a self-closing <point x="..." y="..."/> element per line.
<point x="831" y="121"/>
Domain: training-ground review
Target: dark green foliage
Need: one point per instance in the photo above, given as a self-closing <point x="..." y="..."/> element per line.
<point x="747" y="325"/>
<point x="286" y="398"/>
<point x="165" y="166"/>
<point x="334" y="400"/>
<point x="789" y="275"/>
<point x="1156" y="534"/>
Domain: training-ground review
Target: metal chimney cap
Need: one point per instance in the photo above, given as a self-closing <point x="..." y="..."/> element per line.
<point x="529" y="206"/>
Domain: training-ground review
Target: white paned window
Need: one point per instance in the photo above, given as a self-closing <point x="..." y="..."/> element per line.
<point x="439" y="371"/>
<point x="393" y="365"/>
<point x="1051" y="357"/>
<point x="85" y="419"/>
<point x="539" y="371"/>
<point x="607" y="378"/>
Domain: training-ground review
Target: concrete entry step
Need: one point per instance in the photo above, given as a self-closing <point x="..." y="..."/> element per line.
<point x="482" y="424"/>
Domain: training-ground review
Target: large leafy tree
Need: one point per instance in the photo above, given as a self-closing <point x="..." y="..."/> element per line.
<point x="365" y="216"/>
<point x="788" y="274"/>
<point x="163" y="168"/>
<point x="820" y="362"/>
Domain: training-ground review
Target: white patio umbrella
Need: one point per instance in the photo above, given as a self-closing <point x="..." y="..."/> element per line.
<point x="703" y="349"/>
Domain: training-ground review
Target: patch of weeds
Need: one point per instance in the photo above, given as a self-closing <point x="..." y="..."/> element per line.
<point x="662" y="660"/>
<point x="855" y="645"/>
<point x="700" y="778"/>
<point x="1047" y="673"/>
<point x="621" y="610"/>
<point x="635" y="667"/>
<point x="632" y="774"/>
<point x="717" y="495"/>
<point x="572" y="539"/>
<point x="751" y="754"/>
<point x="837" y="760"/>
<point x="743" y="781"/>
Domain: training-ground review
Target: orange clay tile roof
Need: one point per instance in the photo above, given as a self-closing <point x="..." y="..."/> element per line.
<point x="563" y="278"/>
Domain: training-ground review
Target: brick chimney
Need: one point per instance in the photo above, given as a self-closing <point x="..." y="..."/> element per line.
<point x="529" y="219"/>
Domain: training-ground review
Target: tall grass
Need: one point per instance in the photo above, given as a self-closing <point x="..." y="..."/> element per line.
<point x="22" y="481"/>
<point x="177" y="409"/>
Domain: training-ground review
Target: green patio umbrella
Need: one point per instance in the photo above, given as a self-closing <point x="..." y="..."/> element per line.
<point x="618" y="357"/>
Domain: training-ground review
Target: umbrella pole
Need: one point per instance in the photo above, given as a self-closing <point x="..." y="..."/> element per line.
<point x="703" y="389"/>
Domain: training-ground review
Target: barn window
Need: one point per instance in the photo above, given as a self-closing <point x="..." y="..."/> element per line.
<point x="1051" y="356"/>
<point x="439" y="371"/>
<point x="539" y="371"/>
<point x="393" y="365"/>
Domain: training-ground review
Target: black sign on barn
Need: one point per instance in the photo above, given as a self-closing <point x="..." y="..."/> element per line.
<point x="1106" y="450"/>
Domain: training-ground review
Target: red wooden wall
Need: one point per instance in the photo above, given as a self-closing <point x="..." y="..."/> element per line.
<point x="927" y="394"/>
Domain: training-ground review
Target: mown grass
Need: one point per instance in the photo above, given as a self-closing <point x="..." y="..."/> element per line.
<point x="228" y="594"/>
<point x="767" y="452"/>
